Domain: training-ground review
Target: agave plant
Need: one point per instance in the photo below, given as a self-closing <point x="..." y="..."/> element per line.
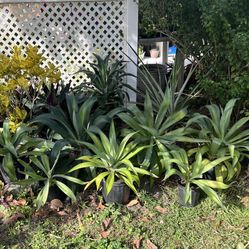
<point x="151" y="127"/>
<point x="113" y="159"/>
<point x="47" y="170"/>
<point x="16" y="145"/>
<point x="72" y="124"/>
<point x="224" y="137"/>
<point x="191" y="172"/>
<point x="175" y="86"/>
<point x="106" y="82"/>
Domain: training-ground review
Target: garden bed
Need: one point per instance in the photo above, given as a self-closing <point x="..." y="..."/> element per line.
<point x="155" y="221"/>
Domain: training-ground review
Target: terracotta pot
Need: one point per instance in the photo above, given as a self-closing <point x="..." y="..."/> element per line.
<point x="154" y="53"/>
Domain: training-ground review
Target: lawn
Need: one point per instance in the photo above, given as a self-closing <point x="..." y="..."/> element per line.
<point x="155" y="221"/>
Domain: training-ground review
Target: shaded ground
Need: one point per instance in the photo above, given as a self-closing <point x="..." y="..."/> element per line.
<point x="156" y="221"/>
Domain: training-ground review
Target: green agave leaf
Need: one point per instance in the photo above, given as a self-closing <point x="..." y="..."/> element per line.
<point x="215" y="114"/>
<point x="221" y="173"/>
<point x="147" y="158"/>
<point x="128" y="163"/>
<point x="236" y="127"/>
<point x="55" y="153"/>
<point x="58" y="112"/>
<point x="33" y="175"/>
<point x="98" y="145"/>
<point x="66" y="190"/>
<point x="187" y="193"/>
<point x="3" y="151"/>
<point x="197" y="166"/>
<point x="113" y="139"/>
<point x="86" y="165"/>
<point x="90" y="146"/>
<point x="231" y="149"/>
<point x="162" y="112"/>
<point x="214" y="163"/>
<point x="90" y="183"/>
<point x="149" y="131"/>
<point x="70" y="178"/>
<point x="144" y="172"/>
<point x="137" y="115"/>
<point x="239" y="137"/>
<point x="129" y="184"/>
<point x="122" y="146"/>
<point x="106" y="143"/>
<point x="126" y="173"/>
<point x="171" y="172"/>
<point x="209" y="192"/>
<point x="149" y="115"/>
<point x="26" y="165"/>
<point x="10" y="147"/>
<point x="135" y="152"/>
<point x="45" y="163"/>
<point x="6" y="132"/>
<point x="9" y="167"/>
<point x="197" y="119"/>
<point x="109" y="182"/>
<point x="173" y="119"/>
<point x="226" y="117"/>
<point x="71" y="104"/>
<point x="39" y="165"/>
<point x="28" y="182"/>
<point x="57" y="126"/>
<point x="130" y="121"/>
<point x="21" y="132"/>
<point x="28" y="145"/>
<point x="213" y="184"/>
<point x="84" y="112"/>
<point x="43" y="195"/>
<point x="231" y="170"/>
<point x="99" y="179"/>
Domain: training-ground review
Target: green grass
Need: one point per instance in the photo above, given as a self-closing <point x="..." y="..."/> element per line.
<point x="205" y="226"/>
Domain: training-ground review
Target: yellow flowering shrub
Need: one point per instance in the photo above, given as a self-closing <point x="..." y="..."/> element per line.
<point x="16" y="118"/>
<point x="22" y="78"/>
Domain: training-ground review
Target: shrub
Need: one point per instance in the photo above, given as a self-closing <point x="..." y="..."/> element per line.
<point x="22" y="78"/>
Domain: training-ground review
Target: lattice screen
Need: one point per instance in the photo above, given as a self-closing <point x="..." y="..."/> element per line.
<point x="68" y="33"/>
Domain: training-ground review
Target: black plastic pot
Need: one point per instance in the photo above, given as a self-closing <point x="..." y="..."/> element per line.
<point x="55" y="193"/>
<point x="120" y="193"/>
<point x="195" y="196"/>
<point x="210" y="175"/>
<point x="245" y="163"/>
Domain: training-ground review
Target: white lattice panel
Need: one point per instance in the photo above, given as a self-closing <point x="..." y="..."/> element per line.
<point x="68" y="33"/>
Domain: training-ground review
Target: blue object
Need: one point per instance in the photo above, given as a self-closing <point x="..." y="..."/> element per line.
<point x="172" y="50"/>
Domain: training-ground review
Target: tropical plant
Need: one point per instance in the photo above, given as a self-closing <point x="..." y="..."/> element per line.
<point x="223" y="138"/>
<point x="191" y="172"/>
<point x="106" y="82"/>
<point x="54" y="95"/>
<point x="114" y="160"/>
<point x="48" y="170"/>
<point x="177" y="89"/>
<point x="16" y="145"/>
<point x="72" y="124"/>
<point x="152" y="126"/>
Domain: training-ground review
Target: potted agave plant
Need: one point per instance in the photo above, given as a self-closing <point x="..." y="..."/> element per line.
<point x="191" y="170"/>
<point x="117" y="173"/>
